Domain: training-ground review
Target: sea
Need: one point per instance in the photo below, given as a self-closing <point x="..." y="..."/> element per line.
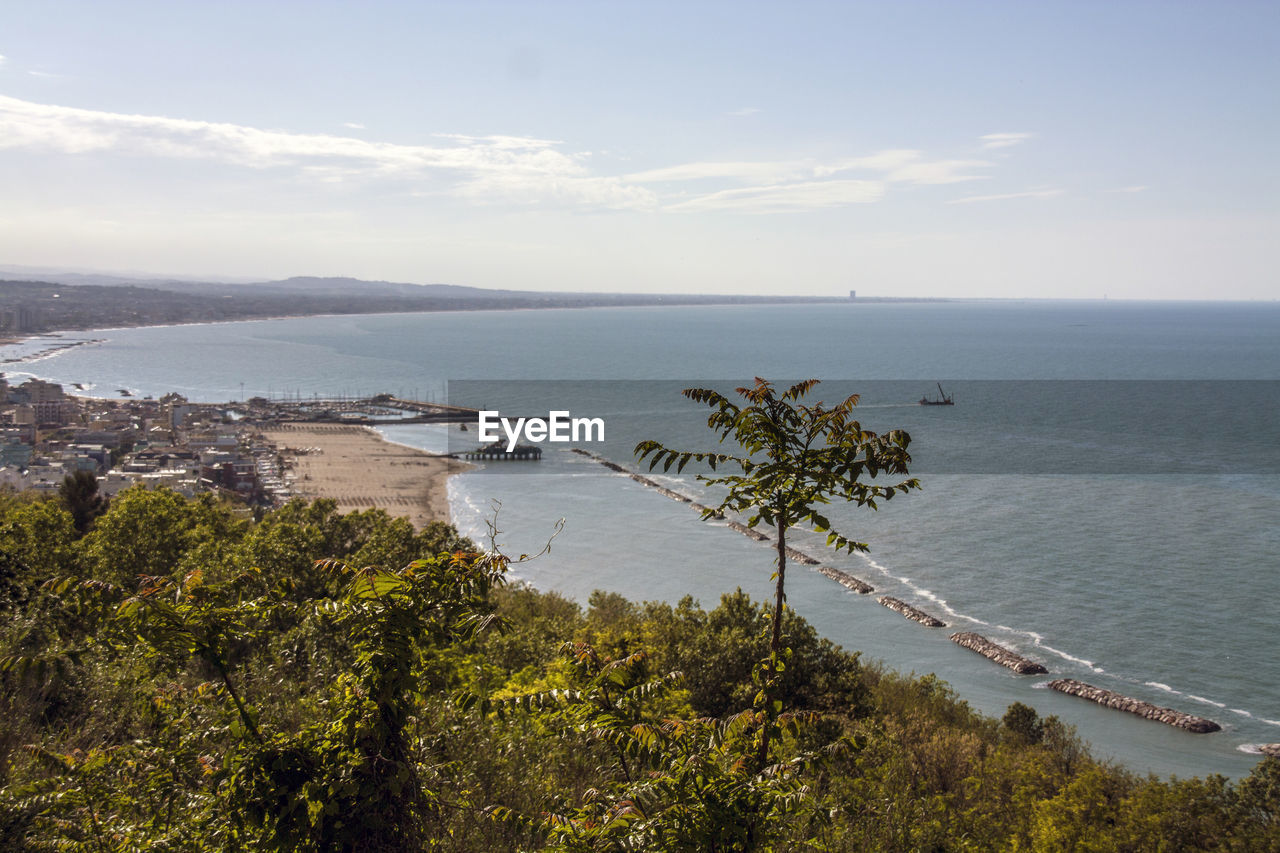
<point x="1103" y="496"/>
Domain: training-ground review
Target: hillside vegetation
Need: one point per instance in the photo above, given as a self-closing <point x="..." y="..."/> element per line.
<point x="183" y="677"/>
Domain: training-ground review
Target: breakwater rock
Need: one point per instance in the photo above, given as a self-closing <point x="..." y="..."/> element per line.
<point x="998" y="653"/>
<point x="847" y="580"/>
<point x="801" y="557"/>
<point x="746" y="531"/>
<point x="1169" y="716"/>
<point x="660" y="489"/>
<point x="910" y="612"/>
<point x="1270" y="749"/>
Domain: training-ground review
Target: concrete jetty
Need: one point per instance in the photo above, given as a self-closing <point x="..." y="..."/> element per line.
<point x="998" y="653"/>
<point x="900" y="606"/>
<point x="847" y="580"/>
<point x="1110" y="699"/>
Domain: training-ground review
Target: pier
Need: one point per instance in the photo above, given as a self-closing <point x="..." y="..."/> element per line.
<point x="496" y="452"/>
<point x="998" y="653"/>
<point x="1109" y="699"/>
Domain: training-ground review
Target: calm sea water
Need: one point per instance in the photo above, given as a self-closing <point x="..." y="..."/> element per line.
<point x="1104" y="496"/>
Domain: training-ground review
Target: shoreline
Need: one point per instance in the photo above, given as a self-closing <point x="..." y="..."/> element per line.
<point x="361" y="470"/>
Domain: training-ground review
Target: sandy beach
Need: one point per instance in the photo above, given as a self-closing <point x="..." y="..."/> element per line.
<point x="356" y="467"/>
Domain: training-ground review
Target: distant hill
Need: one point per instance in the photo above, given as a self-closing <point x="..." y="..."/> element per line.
<point x="347" y="286"/>
<point x="76" y="300"/>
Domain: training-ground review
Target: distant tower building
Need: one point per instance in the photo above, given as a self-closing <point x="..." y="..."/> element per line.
<point x="853" y="294"/>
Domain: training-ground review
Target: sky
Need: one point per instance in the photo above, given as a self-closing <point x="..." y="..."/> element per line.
<point x="926" y="149"/>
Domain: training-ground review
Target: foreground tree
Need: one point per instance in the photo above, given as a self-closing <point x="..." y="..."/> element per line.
<point x="797" y="459"/>
<point x="79" y="493"/>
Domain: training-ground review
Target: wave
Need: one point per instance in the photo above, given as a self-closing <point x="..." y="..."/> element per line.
<point x="1245" y="713"/>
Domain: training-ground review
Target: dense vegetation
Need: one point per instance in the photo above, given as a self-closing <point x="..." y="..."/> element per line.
<point x="46" y="306"/>
<point x="183" y="677"/>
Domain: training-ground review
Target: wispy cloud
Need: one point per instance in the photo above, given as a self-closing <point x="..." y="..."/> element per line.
<point x="938" y="172"/>
<point x="471" y="165"/>
<point x="787" y="198"/>
<point x="491" y="169"/>
<point x="906" y="165"/>
<point x="1044" y="192"/>
<point x="756" y="171"/>
<point x="2" y="60"/>
<point x="1004" y="140"/>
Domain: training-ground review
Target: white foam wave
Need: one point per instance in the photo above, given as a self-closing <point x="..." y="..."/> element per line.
<point x="1088" y="663"/>
<point x="923" y="592"/>
<point x="1037" y="640"/>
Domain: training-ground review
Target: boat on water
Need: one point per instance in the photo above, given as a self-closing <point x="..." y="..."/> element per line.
<point x="944" y="399"/>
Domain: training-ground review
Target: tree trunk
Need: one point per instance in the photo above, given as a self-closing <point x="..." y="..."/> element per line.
<point x="775" y="645"/>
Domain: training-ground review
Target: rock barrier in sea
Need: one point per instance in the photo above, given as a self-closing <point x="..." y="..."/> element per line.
<point x="798" y="556"/>
<point x="1270" y="749"/>
<point x="747" y="531"/>
<point x="998" y="653"/>
<point x="900" y="606"/>
<point x="847" y="580"/>
<point x="801" y="557"/>
<point x="1110" y="699"/>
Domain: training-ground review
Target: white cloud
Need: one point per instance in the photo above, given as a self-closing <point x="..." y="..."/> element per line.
<point x="881" y="161"/>
<point x="2" y="60"/>
<point x="787" y="198"/>
<point x="906" y="165"/>
<point x="938" y="172"/>
<point x="487" y="169"/>
<point x="1045" y="192"/>
<point x="474" y="165"/>
<point x="354" y="125"/>
<point x="1004" y="140"/>
<point x="761" y="171"/>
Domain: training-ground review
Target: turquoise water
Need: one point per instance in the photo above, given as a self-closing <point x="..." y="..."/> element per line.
<point x="1115" y="513"/>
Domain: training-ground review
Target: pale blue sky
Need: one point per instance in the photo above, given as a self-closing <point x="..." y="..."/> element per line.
<point x="1047" y="149"/>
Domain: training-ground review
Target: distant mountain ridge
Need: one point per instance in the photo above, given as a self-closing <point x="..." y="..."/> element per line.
<point x="35" y="301"/>
<point x="329" y="285"/>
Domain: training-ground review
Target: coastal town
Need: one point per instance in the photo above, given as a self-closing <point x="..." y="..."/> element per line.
<point x="258" y="452"/>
